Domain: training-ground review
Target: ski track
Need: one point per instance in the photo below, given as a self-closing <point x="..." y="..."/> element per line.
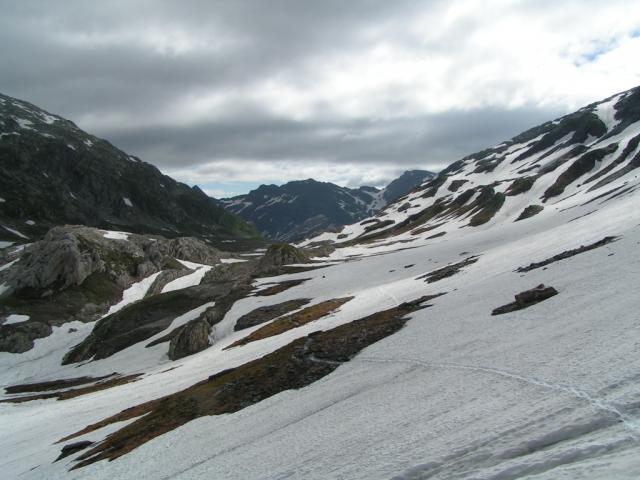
<point x="596" y="403"/>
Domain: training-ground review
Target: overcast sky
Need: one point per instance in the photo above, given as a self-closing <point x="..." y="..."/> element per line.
<point x="231" y="94"/>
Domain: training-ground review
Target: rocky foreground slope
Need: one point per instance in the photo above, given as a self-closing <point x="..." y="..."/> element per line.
<point x="452" y="336"/>
<point x="52" y="173"/>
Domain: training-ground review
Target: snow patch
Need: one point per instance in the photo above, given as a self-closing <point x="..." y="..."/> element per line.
<point x="127" y="202"/>
<point x="16" y="318"/>
<point x="232" y="260"/>
<point x="7" y="265"/>
<point x="135" y="292"/>
<point x="15" y="232"/>
<point x="115" y="235"/>
<point x="189" y="280"/>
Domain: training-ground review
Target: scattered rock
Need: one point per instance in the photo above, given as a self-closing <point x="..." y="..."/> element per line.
<point x="19" y="337"/>
<point x="568" y="254"/>
<point x="447" y="271"/>
<point x="526" y="299"/>
<point x="72" y="448"/>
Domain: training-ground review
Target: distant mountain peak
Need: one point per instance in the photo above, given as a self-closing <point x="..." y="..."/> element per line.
<point x="301" y="208"/>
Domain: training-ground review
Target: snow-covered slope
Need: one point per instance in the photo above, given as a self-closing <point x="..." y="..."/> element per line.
<point x="585" y="158"/>
<point x="546" y="392"/>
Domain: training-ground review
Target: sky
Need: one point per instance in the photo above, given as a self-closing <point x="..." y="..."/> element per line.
<point x="231" y="94"/>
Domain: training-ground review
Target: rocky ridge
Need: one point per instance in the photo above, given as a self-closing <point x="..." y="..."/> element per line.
<point x="53" y="173"/>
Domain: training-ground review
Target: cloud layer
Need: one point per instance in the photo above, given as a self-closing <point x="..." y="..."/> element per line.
<point x="243" y="92"/>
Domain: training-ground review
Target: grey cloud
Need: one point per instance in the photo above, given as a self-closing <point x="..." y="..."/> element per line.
<point x="427" y="140"/>
<point x="112" y="75"/>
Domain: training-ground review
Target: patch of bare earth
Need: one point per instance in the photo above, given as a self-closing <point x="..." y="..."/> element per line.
<point x="75" y="392"/>
<point x="294" y="320"/>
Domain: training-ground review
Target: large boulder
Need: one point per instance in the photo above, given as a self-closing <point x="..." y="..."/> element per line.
<point x="58" y="261"/>
<point x="280" y="254"/>
<point x="192" y="338"/>
<point x="18" y="338"/>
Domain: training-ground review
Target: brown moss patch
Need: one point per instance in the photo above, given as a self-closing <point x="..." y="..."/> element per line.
<point x="67" y="394"/>
<point x="294" y="320"/>
<point x="267" y="313"/>
<point x="53" y="384"/>
<point x="296" y="365"/>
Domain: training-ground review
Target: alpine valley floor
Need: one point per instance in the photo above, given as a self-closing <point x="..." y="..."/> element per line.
<point x="547" y="392"/>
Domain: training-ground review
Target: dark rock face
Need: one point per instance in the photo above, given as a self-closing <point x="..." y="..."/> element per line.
<point x="192" y="338"/>
<point x="526" y="299"/>
<point x="53" y="173"/>
<point x="18" y="338"/>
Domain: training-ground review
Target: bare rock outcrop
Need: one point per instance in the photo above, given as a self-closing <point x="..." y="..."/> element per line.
<point x="192" y="338"/>
<point x="526" y="299"/>
<point x="19" y="337"/>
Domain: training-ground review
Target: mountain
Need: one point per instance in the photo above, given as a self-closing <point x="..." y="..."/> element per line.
<point x="299" y="209"/>
<point x="53" y="173"/>
<point x="589" y="157"/>
<point x="484" y="326"/>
